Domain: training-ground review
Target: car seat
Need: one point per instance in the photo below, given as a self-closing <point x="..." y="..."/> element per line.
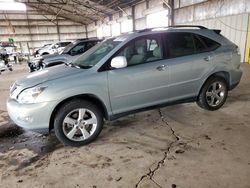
<point x="137" y="58"/>
<point x="156" y="54"/>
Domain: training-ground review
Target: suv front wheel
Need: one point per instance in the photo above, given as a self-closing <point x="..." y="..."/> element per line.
<point x="213" y="94"/>
<point x="78" y="122"/>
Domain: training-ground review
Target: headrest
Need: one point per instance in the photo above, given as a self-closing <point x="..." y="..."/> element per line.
<point x="157" y="52"/>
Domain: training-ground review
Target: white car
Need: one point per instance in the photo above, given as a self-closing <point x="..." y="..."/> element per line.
<point x="53" y="48"/>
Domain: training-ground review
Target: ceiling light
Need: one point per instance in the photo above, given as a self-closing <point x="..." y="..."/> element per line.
<point x="11" y="5"/>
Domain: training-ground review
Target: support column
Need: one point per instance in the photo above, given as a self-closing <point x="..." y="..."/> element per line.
<point x="58" y="31"/>
<point x="133" y="17"/>
<point x="86" y="31"/>
<point x="28" y="46"/>
<point x="247" y="47"/>
<point x="171" y="12"/>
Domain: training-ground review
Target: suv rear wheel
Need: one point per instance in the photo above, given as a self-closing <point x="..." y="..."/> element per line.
<point x="78" y="122"/>
<point x="213" y="94"/>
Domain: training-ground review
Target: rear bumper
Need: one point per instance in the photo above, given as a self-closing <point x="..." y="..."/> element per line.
<point x="235" y="78"/>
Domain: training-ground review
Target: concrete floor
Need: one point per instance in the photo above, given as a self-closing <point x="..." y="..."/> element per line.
<point x="178" y="146"/>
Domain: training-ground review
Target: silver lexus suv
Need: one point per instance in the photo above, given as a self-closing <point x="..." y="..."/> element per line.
<point x="126" y="74"/>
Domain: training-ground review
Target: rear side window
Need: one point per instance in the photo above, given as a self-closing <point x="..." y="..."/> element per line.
<point x="210" y="44"/>
<point x="63" y="44"/>
<point x="180" y="44"/>
<point x="90" y="45"/>
<point x="79" y="48"/>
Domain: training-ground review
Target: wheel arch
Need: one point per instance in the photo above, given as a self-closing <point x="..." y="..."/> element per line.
<point x="222" y="74"/>
<point x="89" y="97"/>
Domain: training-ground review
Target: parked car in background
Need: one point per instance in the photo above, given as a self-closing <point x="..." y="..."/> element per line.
<point x="37" y="49"/>
<point x="127" y="74"/>
<point x="53" y="48"/>
<point x="70" y="53"/>
<point x="9" y="47"/>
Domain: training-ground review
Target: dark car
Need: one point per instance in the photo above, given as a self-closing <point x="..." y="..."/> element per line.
<point x="70" y="53"/>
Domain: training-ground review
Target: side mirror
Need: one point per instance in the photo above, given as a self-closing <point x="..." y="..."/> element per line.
<point x="119" y="62"/>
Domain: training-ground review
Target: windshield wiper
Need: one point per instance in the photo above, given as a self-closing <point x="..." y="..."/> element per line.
<point x="85" y="66"/>
<point x="71" y="65"/>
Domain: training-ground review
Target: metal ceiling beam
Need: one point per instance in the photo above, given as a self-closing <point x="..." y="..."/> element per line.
<point x="53" y="12"/>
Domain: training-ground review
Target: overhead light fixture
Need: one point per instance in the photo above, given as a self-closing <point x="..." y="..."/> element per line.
<point x="8" y="5"/>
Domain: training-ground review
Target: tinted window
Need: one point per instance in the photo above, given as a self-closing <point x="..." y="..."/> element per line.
<point x="79" y="48"/>
<point x="63" y="44"/>
<point x="210" y="44"/>
<point x="199" y="45"/>
<point x="142" y="50"/>
<point x="180" y="44"/>
<point x="90" y="45"/>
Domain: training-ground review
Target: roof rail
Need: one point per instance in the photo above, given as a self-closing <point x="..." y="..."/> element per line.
<point x="174" y="26"/>
<point x="198" y="26"/>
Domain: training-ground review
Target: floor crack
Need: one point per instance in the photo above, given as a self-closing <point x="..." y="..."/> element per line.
<point x="165" y="121"/>
<point x="160" y="163"/>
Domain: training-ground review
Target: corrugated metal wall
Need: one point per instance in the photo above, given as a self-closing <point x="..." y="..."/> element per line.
<point x="35" y="30"/>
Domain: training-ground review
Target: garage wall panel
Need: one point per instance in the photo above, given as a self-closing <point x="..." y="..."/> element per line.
<point x="72" y="29"/>
<point x="140" y="24"/>
<point x="92" y="34"/>
<point x="139" y="10"/>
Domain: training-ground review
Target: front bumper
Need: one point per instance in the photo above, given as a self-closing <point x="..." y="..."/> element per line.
<point x="31" y="116"/>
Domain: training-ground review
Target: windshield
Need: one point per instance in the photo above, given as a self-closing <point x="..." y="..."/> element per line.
<point x="46" y="45"/>
<point x="95" y="54"/>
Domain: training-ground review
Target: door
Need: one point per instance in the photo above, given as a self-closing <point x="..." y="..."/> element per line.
<point x="144" y="82"/>
<point x="188" y="61"/>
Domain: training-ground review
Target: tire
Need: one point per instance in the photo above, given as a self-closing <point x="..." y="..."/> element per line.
<point x="213" y="94"/>
<point x="78" y="122"/>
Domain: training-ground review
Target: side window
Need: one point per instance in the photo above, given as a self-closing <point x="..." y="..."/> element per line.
<point x="199" y="45"/>
<point x="180" y="44"/>
<point x="78" y="49"/>
<point x="210" y="44"/>
<point x="143" y="50"/>
<point x="63" y="44"/>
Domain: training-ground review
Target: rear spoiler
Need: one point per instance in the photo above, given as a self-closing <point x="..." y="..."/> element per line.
<point x="217" y="31"/>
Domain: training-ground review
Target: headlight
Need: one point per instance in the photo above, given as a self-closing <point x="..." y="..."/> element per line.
<point x="29" y="96"/>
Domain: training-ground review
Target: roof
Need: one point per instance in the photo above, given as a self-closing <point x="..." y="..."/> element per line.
<point x="81" y="11"/>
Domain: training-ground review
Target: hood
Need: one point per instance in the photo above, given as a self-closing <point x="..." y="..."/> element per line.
<point x="48" y="74"/>
<point x="51" y="56"/>
<point x="46" y="57"/>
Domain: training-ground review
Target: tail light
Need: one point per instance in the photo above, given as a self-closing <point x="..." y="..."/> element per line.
<point x="237" y="50"/>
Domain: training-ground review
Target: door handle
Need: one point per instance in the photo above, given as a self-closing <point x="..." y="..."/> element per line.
<point x="208" y="58"/>
<point x="161" y="67"/>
